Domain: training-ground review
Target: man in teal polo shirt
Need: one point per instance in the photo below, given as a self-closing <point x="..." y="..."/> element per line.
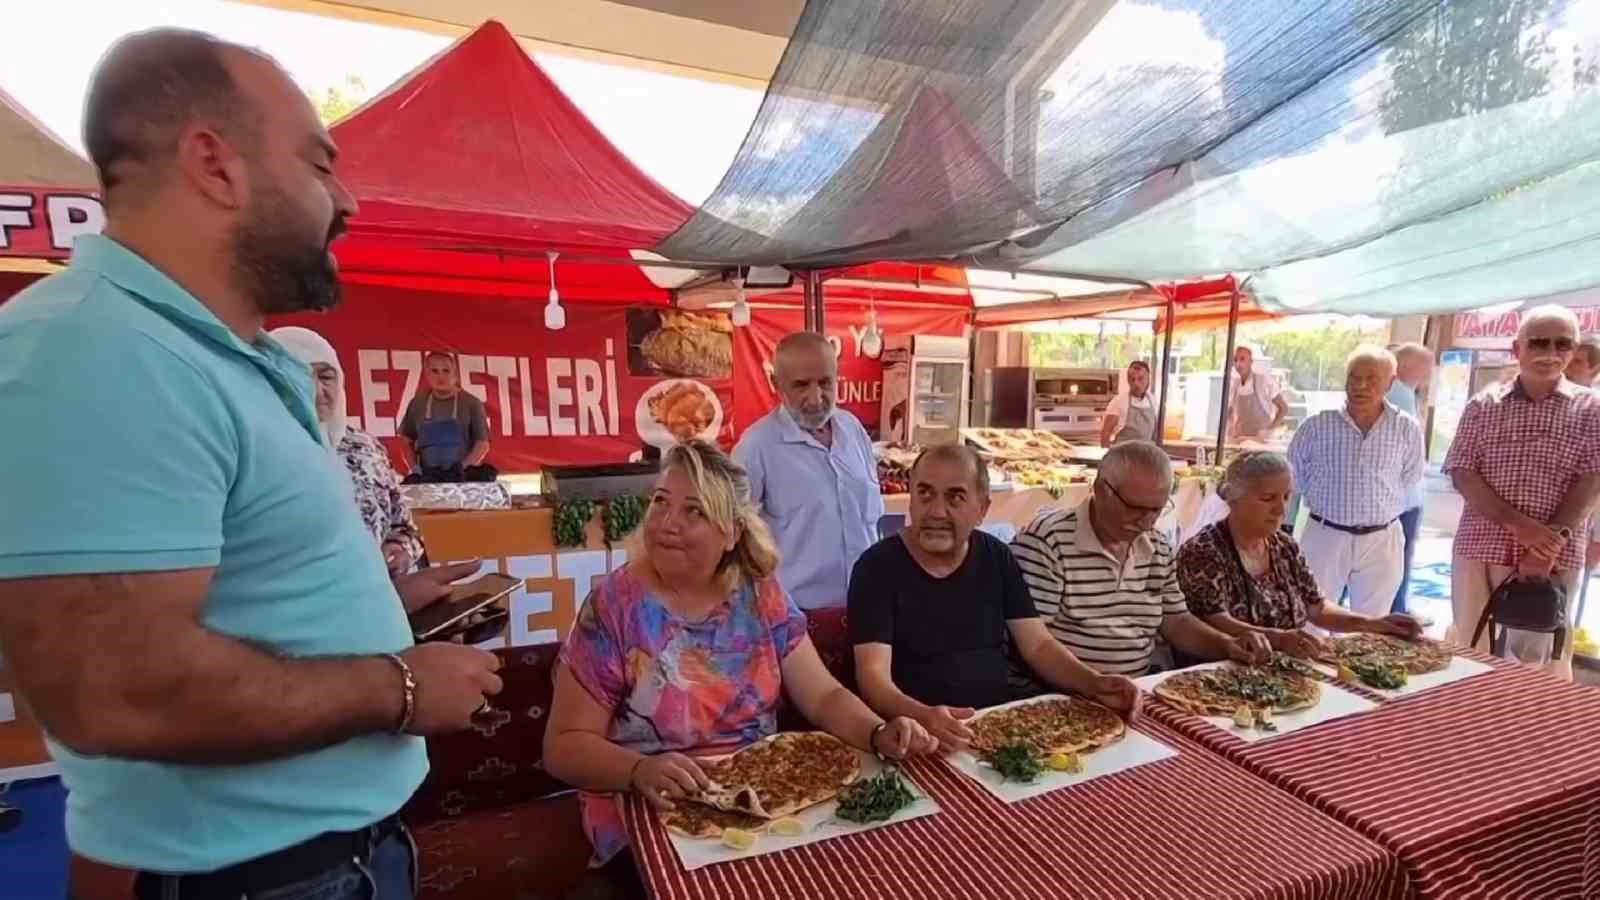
<point x="188" y="599"/>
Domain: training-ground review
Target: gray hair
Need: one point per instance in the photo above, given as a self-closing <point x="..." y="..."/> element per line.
<point x="1547" y="313"/>
<point x="1408" y="350"/>
<point x="1248" y="468"/>
<point x="1590" y="348"/>
<point x="957" y="453"/>
<point x="1371" y="353"/>
<point x="1121" y="461"/>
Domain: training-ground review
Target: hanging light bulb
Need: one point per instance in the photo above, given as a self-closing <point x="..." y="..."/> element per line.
<point x="555" y="318"/>
<point x="741" y="308"/>
<point x="872" y="340"/>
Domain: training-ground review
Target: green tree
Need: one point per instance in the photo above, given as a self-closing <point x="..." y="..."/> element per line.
<point x="1464" y="58"/>
<point x="337" y="101"/>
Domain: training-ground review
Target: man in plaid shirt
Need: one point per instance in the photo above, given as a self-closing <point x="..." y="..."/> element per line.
<point x="1354" y="468"/>
<point x="1524" y="458"/>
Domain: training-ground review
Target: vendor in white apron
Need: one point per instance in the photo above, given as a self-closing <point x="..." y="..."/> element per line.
<point x="1257" y="407"/>
<point x="1132" y="415"/>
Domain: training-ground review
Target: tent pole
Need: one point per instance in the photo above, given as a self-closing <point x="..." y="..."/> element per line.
<point x="1166" y="362"/>
<point x="822" y="305"/>
<point x="813" y="301"/>
<point x="1227" y="366"/>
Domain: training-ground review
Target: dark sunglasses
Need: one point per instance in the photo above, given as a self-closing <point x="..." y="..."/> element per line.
<point x="1545" y="345"/>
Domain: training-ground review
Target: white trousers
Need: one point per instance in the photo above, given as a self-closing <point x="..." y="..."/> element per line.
<point x="1370" y="565"/>
<point x="1471" y="584"/>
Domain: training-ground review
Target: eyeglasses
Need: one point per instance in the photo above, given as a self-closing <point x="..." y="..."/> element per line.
<point x="1545" y="345"/>
<point x="1142" y="511"/>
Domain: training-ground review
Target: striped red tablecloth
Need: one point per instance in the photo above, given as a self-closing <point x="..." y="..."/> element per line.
<point x="1186" y="827"/>
<point x="1485" y="787"/>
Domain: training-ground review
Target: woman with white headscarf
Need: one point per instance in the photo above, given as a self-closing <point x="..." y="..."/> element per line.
<point x="377" y="490"/>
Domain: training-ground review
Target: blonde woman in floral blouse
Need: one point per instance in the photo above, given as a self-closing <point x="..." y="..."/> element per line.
<point x="1244" y="573"/>
<point x="377" y="489"/>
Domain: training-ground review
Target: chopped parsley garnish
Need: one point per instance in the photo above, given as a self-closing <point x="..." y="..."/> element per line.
<point x="875" y="799"/>
<point x="1015" y="762"/>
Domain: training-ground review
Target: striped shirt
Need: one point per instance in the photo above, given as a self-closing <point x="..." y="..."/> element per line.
<point x="1356" y="479"/>
<point x="1107" y="615"/>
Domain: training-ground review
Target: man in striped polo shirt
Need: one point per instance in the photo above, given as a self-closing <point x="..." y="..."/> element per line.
<point x="1106" y="584"/>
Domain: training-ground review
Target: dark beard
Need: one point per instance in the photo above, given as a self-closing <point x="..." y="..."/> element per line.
<point x="276" y="267"/>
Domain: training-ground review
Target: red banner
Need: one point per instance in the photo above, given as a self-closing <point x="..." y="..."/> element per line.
<point x="860" y="376"/>
<point x="42" y="222"/>
<point x="580" y="395"/>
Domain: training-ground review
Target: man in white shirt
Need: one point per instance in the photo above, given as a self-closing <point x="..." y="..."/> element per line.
<point x="1354" y="468"/>
<point x="813" y="473"/>
<point x="1257" y="407"/>
<point x="1413" y="373"/>
<point x="1132" y="415"/>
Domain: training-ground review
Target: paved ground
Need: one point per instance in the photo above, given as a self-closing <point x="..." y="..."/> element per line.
<point x="1430" y="571"/>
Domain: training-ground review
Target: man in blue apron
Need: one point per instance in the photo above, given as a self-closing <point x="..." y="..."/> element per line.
<point x="448" y="428"/>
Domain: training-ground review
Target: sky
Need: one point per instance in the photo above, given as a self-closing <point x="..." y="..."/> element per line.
<point x="51" y="49"/>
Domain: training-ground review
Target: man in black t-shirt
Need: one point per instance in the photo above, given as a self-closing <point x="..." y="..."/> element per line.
<point x="932" y="608"/>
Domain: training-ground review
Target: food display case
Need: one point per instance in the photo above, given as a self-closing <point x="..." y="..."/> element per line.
<point x="924" y="389"/>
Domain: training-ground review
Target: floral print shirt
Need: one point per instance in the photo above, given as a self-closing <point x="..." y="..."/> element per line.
<point x="1213" y="583"/>
<point x="705" y="687"/>
<point x="378" y="496"/>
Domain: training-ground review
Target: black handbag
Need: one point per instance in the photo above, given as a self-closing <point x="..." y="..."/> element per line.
<point x="1525" y="603"/>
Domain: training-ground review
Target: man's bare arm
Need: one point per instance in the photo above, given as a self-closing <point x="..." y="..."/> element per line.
<point x="120" y="665"/>
<point x="1575" y="507"/>
<point x="479" y="451"/>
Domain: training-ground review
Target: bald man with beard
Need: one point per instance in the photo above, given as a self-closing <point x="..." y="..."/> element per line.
<point x="206" y="631"/>
<point x="813" y="473"/>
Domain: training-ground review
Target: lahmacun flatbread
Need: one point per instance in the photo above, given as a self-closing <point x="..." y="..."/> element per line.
<point x="1279" y="686"/>
<point x="1051" y="725"/>
<point x="696" y="820"/>
<point x="780" y="775"/>
<point x="1417" y="657"/>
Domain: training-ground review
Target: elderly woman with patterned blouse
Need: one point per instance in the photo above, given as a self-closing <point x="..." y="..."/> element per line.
<point x="377" y="489"/>
<point x="1244" y="573"/>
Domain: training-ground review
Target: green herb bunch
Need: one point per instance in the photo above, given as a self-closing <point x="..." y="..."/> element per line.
<point x="1015" y="762"/>
<point x="875" y="799"/>
<point x="1378" y="675"/>
<point x="571" y="522"/>
<point x="622" y="515"/>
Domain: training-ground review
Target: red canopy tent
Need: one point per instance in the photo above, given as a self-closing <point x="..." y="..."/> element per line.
<point x="472" y="167"/>
<point x="463" y="191"/>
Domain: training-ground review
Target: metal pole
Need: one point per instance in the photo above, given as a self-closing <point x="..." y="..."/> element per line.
<point x="808" y="293"/>
<point x="1166" y="363"/>
<point x="1227" y="368"/>
<point x="821" y="313"/>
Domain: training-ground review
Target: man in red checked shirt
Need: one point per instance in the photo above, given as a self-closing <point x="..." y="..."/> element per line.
<point x="1523" y="458"/>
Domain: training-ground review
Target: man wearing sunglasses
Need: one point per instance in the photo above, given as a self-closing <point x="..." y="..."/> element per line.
<point x="1106" y="584"/>
<point x="1524" y="460"/>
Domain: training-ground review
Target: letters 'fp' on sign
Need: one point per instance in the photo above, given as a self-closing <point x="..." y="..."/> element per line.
<point x="43" y="223"/>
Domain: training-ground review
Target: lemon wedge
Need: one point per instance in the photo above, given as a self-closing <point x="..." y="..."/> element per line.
<point x="1064" y="762"/>
<point x="1346" y="673"/>
<point x="1244" y="717"/>
<point x="788" y="826"/>
<point x="738" y="839"/>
